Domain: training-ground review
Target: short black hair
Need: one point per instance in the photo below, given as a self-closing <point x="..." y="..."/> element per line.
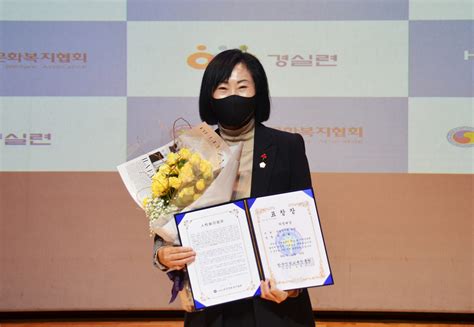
<point x="220" y="69"/>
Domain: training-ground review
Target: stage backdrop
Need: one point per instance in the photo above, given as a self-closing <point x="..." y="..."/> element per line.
<point x="382" y="92"/>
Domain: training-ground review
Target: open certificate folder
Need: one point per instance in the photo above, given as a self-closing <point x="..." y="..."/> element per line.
<point x="239" y="243"/>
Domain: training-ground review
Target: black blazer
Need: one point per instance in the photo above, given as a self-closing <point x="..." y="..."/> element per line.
<point x="286" y="166"/>
<point x="286" y="169"/>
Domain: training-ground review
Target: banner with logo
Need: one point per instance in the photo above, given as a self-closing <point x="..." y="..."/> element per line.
<point x="366" y="83"/>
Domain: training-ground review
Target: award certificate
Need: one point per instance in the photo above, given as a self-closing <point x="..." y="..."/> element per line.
<point x="237" y="244"/>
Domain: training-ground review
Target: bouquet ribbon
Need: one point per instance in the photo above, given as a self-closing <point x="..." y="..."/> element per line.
<point x="177" y="277"/>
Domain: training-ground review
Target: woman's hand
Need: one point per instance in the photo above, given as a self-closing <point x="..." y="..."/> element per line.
<point x="272" y="293"/>
<point x="175" y="257"/>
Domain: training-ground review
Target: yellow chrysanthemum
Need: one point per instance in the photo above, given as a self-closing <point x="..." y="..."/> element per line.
<point x="159" y="186"/>
<point x="186" y="173"/>
<point x="174" y="170"/>
<point x="189" y="191"/>
<point x="185" y="196"/>
<point x="184" y="153"/>
<point x="172" y="158"/>
<point x="204" y="165"/>
<point x="158" y="176"/>
<point x="145" y="201"/>
<point x="175" y="182"/>
<point x="195" y="159"/>
<point x="196" y="196"/>
<point x="164" y="169"/>
<point x="200" y="185"/>
<point x="206" y="169"/>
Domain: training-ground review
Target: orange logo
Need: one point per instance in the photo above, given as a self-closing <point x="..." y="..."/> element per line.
<point x="200" y="59"/>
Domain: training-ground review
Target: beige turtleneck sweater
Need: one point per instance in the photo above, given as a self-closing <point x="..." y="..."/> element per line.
<point x="244" y="134"/>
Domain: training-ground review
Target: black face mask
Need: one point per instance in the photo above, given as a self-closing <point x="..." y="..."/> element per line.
<point x="234" y="111"/>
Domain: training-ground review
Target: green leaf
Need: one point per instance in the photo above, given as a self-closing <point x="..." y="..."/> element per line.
<point x="181" y="163"/>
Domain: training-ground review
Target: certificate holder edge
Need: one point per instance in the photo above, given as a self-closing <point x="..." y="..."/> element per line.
<point x="254" y="240"/>
<point x="330" y="279"/>
<point x="178" y="217"/>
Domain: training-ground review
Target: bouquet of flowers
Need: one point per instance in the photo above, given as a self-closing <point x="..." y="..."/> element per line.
<point x="197" y="169"/>
<point x="179" y="181"/>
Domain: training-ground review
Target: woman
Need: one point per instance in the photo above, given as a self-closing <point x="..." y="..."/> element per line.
<point x="234" y="95"/>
